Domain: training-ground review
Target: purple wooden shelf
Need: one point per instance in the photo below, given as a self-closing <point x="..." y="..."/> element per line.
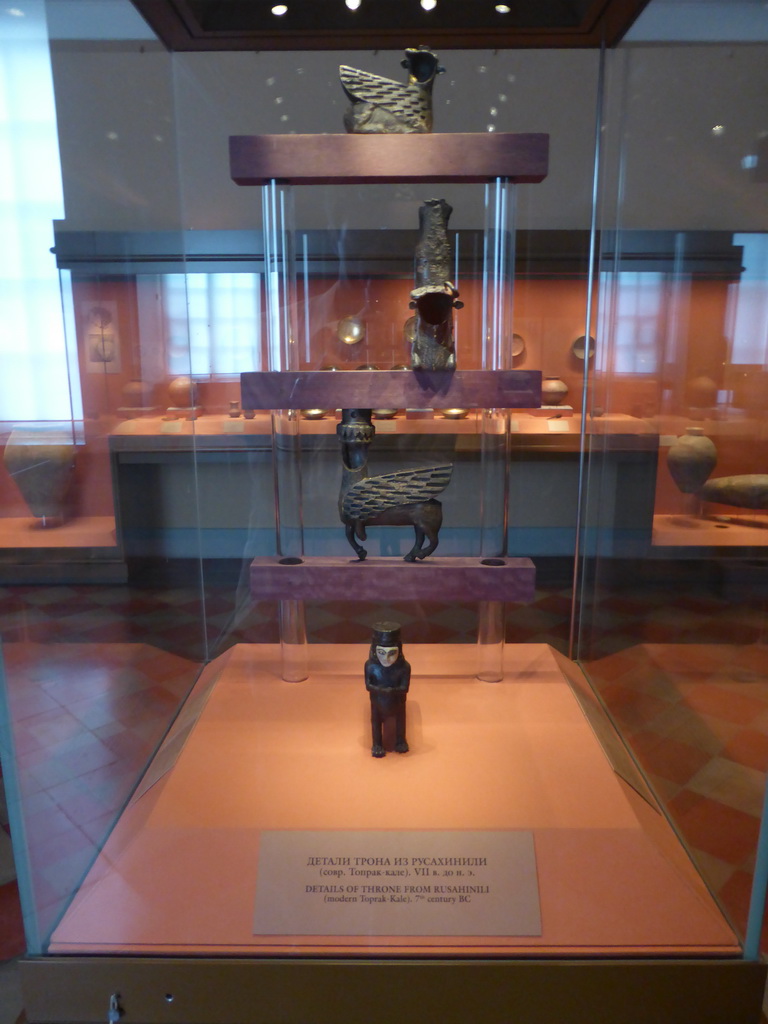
<point x="391" y="389"/>
<point x="389" y="579"/>
<point x="376" y="159"/>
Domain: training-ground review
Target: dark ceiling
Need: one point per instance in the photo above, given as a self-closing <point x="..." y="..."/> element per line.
<point x="388" y="24"/>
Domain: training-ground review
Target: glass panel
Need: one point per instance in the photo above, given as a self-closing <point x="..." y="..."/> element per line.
<point x="180" y="719"/>
<point x="673" y="598"/>
<point x="213" y="293"/>
<point x="102" y="625"/>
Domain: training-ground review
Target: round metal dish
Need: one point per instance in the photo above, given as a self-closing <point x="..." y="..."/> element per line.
<point x="351" y="330"/>
<point x="583" y="347"/>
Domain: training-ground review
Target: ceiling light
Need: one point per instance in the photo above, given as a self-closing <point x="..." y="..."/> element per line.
<point x="502" y="8"/>
<point x="15" y="12"/>
<point x="352" y="4"/>
<point x="429" y="5"/>
<point x="280" y="9"/>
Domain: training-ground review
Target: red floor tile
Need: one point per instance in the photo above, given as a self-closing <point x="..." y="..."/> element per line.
<point x="714" y="828"/>
<point x="754" y="657"/>
<point x="688" y="659"/>
<point x="735" y="895"/>
<point x="667" y="757"/>
<point x="748" y="747"/>
<point x="632" y="706"/>
<point x="722" y="702"/>
<point x="12" y="942"/>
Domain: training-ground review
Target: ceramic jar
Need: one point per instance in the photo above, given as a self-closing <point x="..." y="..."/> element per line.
<point x="137" y="397"/>
<point x="182" y="392"/>
<point x="691" y="459"/>
<point x="553" y="391"/>
<point x="701" y="392"/>
<point x="42" y="464"/>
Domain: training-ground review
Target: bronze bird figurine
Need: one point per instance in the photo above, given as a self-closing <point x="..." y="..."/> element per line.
<point x="381" y="106"/>
<point x="400" y="498"/>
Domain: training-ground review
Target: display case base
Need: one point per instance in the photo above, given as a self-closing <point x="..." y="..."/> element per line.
<point x="251" y="754"/>
<point x="629" y="933"/>
<point x="155" y="990"/>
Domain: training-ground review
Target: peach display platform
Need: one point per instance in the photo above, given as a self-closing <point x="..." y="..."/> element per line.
<point x="738" y="529"/>
<point x="179" y="871"/>
<point x="82" y="532"/>
<point x="387" y="579"/>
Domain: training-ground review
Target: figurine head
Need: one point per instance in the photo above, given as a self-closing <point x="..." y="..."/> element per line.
<point x="435" y="302"/>
<point x="387" y="655"/>
<point x="422" y="64"/>
<point x="386" y="645"/>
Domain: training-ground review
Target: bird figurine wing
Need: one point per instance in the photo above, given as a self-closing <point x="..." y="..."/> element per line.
<point x="376" y="494"/>
<point x="407" y="102"/>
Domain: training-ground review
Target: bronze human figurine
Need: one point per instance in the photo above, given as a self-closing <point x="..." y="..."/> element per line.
<point x="399" y="498"/>
<point x="387" y="679"/>
<point x="381" y="106"/>
<point x="434" y="298"/>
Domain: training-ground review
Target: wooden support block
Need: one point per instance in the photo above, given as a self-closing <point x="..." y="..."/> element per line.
<point x="389" y="579"/>
<point x="391" y="389"/>
<point x="379" y="159"/>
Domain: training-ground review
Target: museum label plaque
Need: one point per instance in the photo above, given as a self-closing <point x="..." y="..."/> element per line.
<point x="397" y="883"/>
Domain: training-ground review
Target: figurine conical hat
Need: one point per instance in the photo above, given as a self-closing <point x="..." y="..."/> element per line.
<point x="386" y="634"/>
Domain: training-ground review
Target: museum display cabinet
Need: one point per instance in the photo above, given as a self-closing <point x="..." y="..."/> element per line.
<point x="232" y="515"/>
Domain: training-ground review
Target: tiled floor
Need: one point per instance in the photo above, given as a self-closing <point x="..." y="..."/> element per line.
<point x="11" y="930"/>
<point x="682" y="669"/>
<point x="86" y="719"/>
<point x="696" y="718"/>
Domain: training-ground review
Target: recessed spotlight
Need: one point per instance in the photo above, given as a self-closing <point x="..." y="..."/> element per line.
<point x="503" y="8"/>
<point x="428" y="5"/>
<point x="352" y="4"/>
<point x="279" y="9"/>
<point x="718" y="129"/>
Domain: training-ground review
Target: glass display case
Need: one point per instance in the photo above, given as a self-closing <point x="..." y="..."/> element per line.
<point x="672" y="635"/>
<point x="338" y="400"/>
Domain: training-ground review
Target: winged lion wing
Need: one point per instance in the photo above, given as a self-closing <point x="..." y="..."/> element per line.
<point x="404" y="100"/>
<point x="375" y="494"/>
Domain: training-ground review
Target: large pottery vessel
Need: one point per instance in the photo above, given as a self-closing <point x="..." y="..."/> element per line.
<point x="748" y="490"/>
<point x="553" y="391"/>
<point x="691" y="459"/>
<point x="41" y="463"/>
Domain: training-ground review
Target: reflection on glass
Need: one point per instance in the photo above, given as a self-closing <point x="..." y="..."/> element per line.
<point x="213" y="323"/>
